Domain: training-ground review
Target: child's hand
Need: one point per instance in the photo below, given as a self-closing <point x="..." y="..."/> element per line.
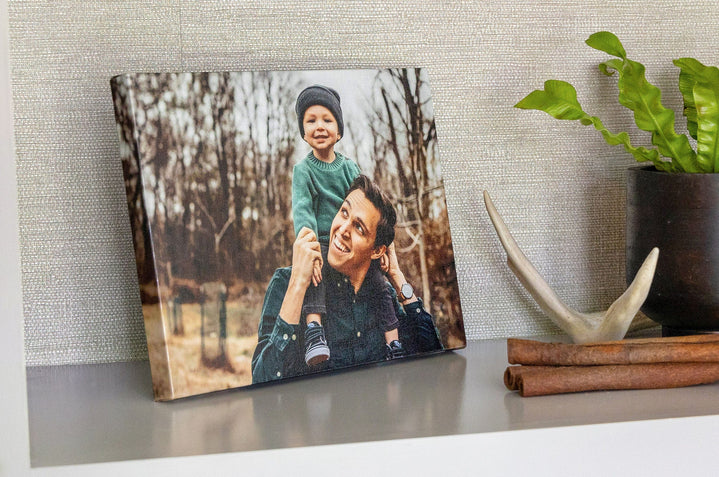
<point x="317" y="272"/>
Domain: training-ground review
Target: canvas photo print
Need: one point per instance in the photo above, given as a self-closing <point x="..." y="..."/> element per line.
<point x="285" y="223"/>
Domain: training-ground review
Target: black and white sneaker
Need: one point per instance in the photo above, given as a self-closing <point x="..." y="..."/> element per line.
<point x="395" y="350"/>
<point x="316" y="349"/>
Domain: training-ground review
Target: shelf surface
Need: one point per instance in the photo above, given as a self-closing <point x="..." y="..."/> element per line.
<point x="105" y="412"/>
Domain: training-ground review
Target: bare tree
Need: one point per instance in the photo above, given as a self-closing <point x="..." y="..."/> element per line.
<point x="404" y="148"/>
<point x="403" y="114"/>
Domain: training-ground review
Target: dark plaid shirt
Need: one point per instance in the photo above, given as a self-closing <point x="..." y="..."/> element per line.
<point x="353" y="332"/>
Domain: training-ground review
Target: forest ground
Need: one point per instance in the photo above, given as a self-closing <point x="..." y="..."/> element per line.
<point x="188" y="373"/>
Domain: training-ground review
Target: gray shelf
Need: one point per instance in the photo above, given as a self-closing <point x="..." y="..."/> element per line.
<point x="102" y="413"/>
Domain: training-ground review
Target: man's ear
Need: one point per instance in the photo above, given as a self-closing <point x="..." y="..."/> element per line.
<point x="378" y="251"/>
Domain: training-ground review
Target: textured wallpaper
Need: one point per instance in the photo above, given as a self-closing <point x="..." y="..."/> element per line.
<point x="559" y="187"/>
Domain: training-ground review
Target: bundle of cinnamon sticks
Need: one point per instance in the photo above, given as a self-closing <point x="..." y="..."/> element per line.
<point x="648" y="363"/>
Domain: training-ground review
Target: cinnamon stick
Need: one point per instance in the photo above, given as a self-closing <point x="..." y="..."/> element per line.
<point x="513" y="374"/>
<point x="544" y="380"/>
<point x="683" y="349"/>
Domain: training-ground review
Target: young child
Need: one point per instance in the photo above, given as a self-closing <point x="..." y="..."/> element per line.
<point x="319" y="184"/>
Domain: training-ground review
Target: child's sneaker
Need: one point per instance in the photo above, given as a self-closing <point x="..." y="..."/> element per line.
<point x="395" y="350"/>
<point x="316" y="349"/>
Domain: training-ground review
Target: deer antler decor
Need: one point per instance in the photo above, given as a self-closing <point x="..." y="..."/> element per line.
<point x="608" y="325"/>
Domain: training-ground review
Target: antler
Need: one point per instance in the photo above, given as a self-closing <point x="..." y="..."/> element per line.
<point x="611" y="324"/>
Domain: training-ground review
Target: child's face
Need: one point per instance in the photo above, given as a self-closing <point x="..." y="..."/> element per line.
<point x="321" y="131"/>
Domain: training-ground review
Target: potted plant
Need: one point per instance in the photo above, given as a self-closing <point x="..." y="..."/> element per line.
<point x="673" y="204"/>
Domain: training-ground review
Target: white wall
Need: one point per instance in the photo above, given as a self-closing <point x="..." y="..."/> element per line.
<point x="559" y="187"/>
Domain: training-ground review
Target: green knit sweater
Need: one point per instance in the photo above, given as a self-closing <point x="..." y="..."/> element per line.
<point x="318" y="190"/>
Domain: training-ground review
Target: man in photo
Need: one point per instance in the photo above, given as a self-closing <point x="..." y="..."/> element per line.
<point x="361" y="231"/>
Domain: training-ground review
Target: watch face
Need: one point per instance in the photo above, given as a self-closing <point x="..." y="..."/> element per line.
<point x="407" y="291"/>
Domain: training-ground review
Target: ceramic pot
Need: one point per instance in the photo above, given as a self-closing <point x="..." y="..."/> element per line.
<point x="679" y="213"/>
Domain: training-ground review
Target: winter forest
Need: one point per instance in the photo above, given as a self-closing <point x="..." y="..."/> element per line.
<point x="208" y="170"/>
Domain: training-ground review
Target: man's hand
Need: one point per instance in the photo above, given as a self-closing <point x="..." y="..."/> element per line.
<point x="317" y="272"/>
<point x="395" y="275"/>
<point x="306" y="259"/>
<point x="305" y="253"/>
<point x="389" y="262"/>
<point x="384" y="263"/>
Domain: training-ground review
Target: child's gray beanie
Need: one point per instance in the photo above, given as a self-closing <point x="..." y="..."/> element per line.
<point x="324" y="96"/>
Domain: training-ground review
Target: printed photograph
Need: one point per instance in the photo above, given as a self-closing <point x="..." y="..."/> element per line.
<point x="285" y="223"/>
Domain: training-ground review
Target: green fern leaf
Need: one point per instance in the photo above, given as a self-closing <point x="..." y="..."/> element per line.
<point x="706" y="98"/>
<point x="644" y="99"/>
<point x="559" y="100"/>
<point x="607" y="42"/>
<point x="689" y="68"/>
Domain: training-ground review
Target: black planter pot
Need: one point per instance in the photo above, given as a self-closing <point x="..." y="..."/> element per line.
<point x="679" y="213"/>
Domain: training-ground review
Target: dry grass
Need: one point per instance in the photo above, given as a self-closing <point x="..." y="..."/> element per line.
<point x="176" y="359"/>
<point x="178" y="369"/>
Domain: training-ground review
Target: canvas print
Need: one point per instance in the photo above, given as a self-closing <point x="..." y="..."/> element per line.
<point x="285" y="223"/>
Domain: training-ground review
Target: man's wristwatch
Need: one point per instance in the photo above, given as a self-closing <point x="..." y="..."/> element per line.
<point x="407" y="291"/>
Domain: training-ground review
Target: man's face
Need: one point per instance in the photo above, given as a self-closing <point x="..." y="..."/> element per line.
<point x="352" y="235"/>
<point x="321" y="130"/>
